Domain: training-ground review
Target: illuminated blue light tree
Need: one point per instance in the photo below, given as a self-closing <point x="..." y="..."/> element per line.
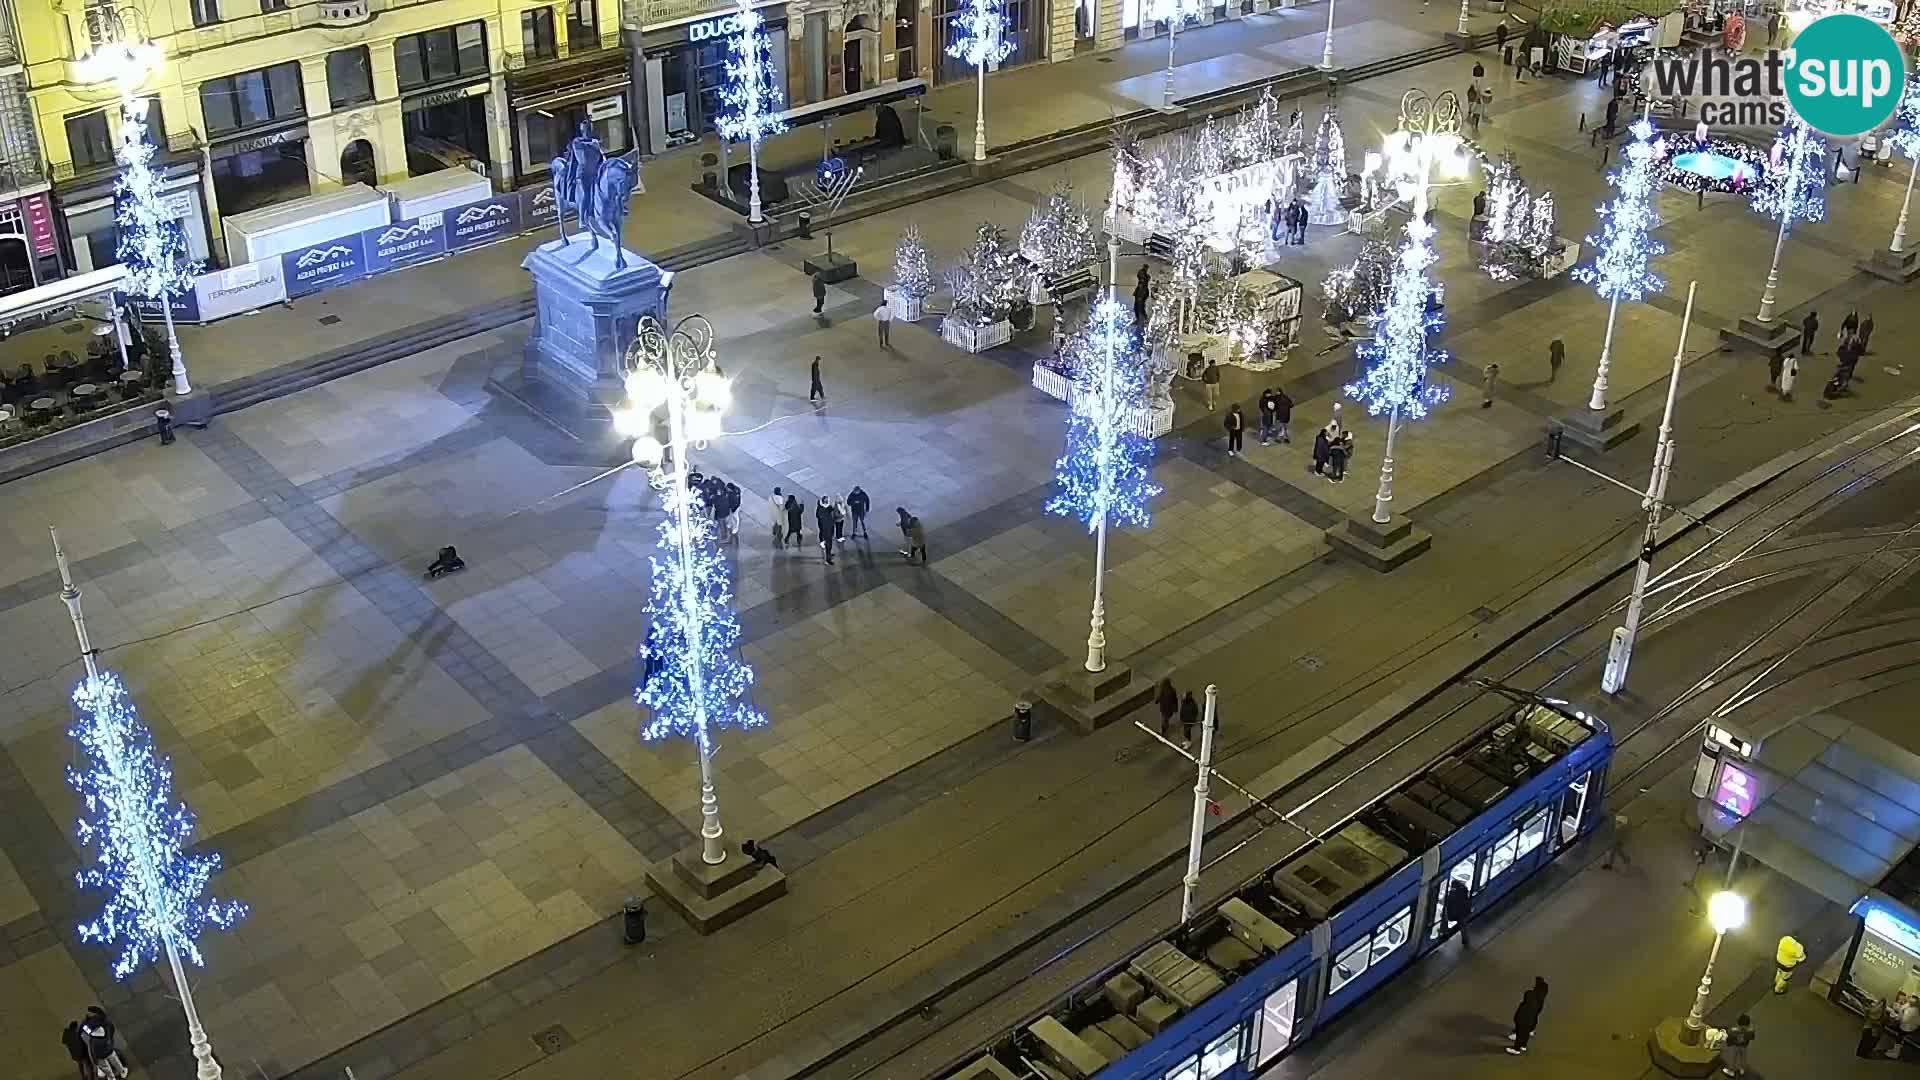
<point x="1106" y="474"/>
<point x="1793" y="189"/>
<point x="155" y="893"/>
<point x="150" y="244"/>
<point x="980" y="39"/>
<point x="1626" y="246"/>
<point x="1398" y="356"/>
<point x="1904" y="137"/>
<point x="694" y="682"/>
<point x="751" y="101"/>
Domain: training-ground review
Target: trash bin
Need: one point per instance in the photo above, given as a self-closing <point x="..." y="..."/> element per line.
<point x="1022" y="720"/>
<point x="804" y="222"/>
<point x="634" y="920"/>
<point x="946" y="142"/>
<point x="163" y="423"/>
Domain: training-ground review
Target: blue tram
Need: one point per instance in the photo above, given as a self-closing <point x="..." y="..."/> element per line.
<point x="1227" y="994"/>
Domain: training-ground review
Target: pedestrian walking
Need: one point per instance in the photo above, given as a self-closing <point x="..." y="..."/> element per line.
<point x="1526" y="1017"/>
<point x="1866" y="332"/>
<point x="1556" y="355"/>
<point x="1236" y="426"/>
<point x="857" y="505"/>
<point x="1489" y="378"/>
<point x="98" y="1030"/>
<point x="1775" y="363"/>
<point x="1500" y="42"/>
<point x="76" y="1045"/>
<point x="1790" y="954"/>
<point x="1473" y="110"/>
<point x="1283" y="415"/>
<point x="883" y="319"/>
<point x="819" y="293"/>
<point x="1773" y="28"/>
<point x="915" y="535"/>
<point x="1269" y="403"/>
<point x="1339" y="452"/>
<point x="733" y="511"/>
<point x="1850" y="325"/>
<point x="776" y="513"/>
<point x="823" y="524"/>
<point x="1457" y="907"/>
<point x="1613" y="115"/>
<point x="1167" y="699"/>
<point x="1322" y="450"/>
<point x="1617" y="844"/>
<point x="1142" y="291"/>
<point x="815" y="389"/>
<point x="1189" y="719"/>
<point x="795" y="512"/>
<point x="839" y="521"/>
<point x="1733" y="1053"/>
<point x="1873" y="1025"/>
<point x="1808" y="327"/>
<point x="1210" y="382"/>
<point x="1299" y="221"/>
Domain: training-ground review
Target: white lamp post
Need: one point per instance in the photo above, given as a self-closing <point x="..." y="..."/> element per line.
<point x="1899" y="243"/>
<point x="1326" y="50"/>
<point x="1461" y="27"/>
<point x="678" y="369"/>
<point x="1796" y="195"/>
<point x="1726" y="911"/>
<point x="981" y="41"/>
<point x="1198" y="829"/>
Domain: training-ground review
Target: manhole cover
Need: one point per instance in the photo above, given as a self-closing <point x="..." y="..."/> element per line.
<point x="329" y="320"/>
<point x="553" y="1040"/>
<point x="1485" y="614"/>
<point x="1312" y="663"/>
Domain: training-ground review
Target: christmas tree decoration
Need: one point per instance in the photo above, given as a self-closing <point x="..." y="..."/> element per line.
<point x="1329" y="170"/>
<point x="1058" y="239"/>
<point x="1794" y="189"/>
<point x="148" y="243"/>
<point x="1503" y="189"/>
<point x="1105" y="475"/>
<point x="1363" y="285"/>
<point x="1398" y="357"/>
<point x="751" y="99"/>
<point x="697" y="683"/>
<point x="1621" y="270"/>
<point x="988" y="279"/>
<point x="1527" y="247"/>
<point x="1903" y="137"/>
<point x="912" y="274"/>
<point x="1295" y="140"/>
<point x="980" y="40"/>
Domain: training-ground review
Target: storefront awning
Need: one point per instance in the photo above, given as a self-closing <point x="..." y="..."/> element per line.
<point x="65" y="293"/>
<point x="1839" y="806"/>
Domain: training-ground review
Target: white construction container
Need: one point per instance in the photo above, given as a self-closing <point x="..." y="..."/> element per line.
<point x="418" y="196"/>
<point x="270" y="230"/>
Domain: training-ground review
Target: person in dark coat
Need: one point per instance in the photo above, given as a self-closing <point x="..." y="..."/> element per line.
<point x="1168" y="701"/>
<point x="1338" y="451"/>
<point x="1556" y="355"/>
<point x="819" y="293"/>
<point x="1236" y="425"/>
<point x="1500" y="41"/>
<point x="76" y="1045"/>
<point x="823" y="520"/>
<point x="98" y="1030"/>
<point x="1808" y="327"/>
<point x="1850" y="325"/>
<point x="1526" y="1016"/>
<point x="1322" y="449"/>
<point x="1283" y="415"/>
<point x="857" y="505"/>
<point x="1455" y="907"/>
<point x="794" y="517"/>
<point x="915" y="535"/>
<point x="1269" y="405"/>
<point x="1866" y="333"/>
<point x="1142" y="291"/>
<point x="1189" y="718"/>
<point x="814" y="387"/>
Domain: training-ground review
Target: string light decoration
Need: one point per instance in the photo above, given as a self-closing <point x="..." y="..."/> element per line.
<point x="155" y="892"/>
<point x="1675" y="159"/>
<point x="980" y="40"/>
<point x="149" y="244"/>
<point x="1361" y="286"/>
<point x="1903" y="137"/>
<point x="1106" y="473"/>
<point x="750" y="100"/>
<point x="912" y="269"/>
<point x="988" y="279"/>
<point x="1622" y="270"/>
<point x="1398" y="356"/>
<point x="1058" y="237"/>
<point x="1794" y="189"/>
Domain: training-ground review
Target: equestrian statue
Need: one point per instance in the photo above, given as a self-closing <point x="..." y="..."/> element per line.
<point x="596" y="189"/>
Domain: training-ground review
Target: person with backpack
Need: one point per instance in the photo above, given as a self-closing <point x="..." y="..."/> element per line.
<point x="1733" y="1054"/>
<point x="98" y="1031"/>
<point x="76" y="1045"/>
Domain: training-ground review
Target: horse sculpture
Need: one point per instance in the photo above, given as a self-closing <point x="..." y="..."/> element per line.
<point x="596" y="190"/>
<point x="611" y="203"/>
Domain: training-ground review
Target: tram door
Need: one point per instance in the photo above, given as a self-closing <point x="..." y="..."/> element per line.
<point x="1462" y="872"/>
<point x="1573" y="809"/>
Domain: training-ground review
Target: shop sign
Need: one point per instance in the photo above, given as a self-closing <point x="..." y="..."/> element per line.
<point x="324" y="265"/>
<point x="483" y="222"/>
<point x="404" y="242"/>
<point x="186" y="307"/>
<point x="1736" y="791"/>
<point x="708" y="29"/>
<point x="539" y="207"/>
<point x="1892" y="928"/>
<point x="441" y="97"/>
<point x="606" y="107"/>
<point x="260" y="142"/>
<point x="246" y="287"/>
<point x="39" y="217"/>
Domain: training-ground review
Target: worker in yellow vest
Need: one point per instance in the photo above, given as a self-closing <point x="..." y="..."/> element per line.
<point x="1787" y="957"/>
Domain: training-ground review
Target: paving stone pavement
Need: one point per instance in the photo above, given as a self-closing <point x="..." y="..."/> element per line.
<point x="428" y="790"/>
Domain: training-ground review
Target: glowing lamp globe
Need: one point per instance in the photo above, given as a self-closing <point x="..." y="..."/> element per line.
<point x="703" y="425"/>
<point x="647" y="388"/>
<point x="630" y="422"/>
<point x="713" y="389"/>
<point x="647" y="451"/>
<point x="1727" y="911"/>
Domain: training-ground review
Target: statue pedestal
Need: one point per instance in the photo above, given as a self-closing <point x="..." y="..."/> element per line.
<point x="586" y="312"/>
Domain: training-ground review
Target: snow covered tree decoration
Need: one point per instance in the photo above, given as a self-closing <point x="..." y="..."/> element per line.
<point x="137" y="831"/>
<point x="697" y="683"/>
<point x="1504" y="192"/>
<point x="1795" y="185"/>
<point x="1106" y="474"/>
<point x="1324" y="204"/>
<point x="988" y="279"/>
<point x="1363" y="285"/>
<point x="148" y="243"/>
<point x="912" y="270"/>
<point x="1058" y="238"/>
<point x="1398" y="356"/>
<point x="750" y="100"/>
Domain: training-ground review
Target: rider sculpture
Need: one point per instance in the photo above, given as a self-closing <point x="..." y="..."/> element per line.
<point x="596" y="190"/>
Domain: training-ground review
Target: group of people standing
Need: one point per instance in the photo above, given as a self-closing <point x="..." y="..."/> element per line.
<point x="1276" y="412"/>
<point x="1171" y="704"/>
<point x="1287" y="220"/>
<point x="719" y="498"/>
<point x="1849" y="347"/>
<point x="1332" y="449"/>
<point x="831" y="517"/>
<point x="90" y="1043"/>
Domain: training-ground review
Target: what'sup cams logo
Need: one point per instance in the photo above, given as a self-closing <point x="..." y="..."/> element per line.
<point x="1842" y="77"/>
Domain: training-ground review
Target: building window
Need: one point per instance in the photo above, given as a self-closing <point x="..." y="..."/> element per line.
<point x="349" y="77"/>
<point x="452" y="52"/>
<point x="274" y="5"/>
<point x="87" y="139"/>
<point x="904" y="34"/>
<point x="205" y="12"/>
<point x="583" y="25"/>
<point x="536" y="33"/>
<point x="252" y="98"/>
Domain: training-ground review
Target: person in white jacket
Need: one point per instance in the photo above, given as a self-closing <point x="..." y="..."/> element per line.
<point x="1789" y="371"/>
<point x="777" y="514"/>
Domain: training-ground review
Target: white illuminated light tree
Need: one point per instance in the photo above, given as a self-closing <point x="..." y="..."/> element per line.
<point x="1793" y="189"/>
<point x="1106" y="474"/>
<point x="696" y="683"/>
<point x="751" y="101"/>
<point x="136" y="831"/>
<point x="1620" y="271"/>
<point x="980" y="31"/>
<point x="1905" y="138"/>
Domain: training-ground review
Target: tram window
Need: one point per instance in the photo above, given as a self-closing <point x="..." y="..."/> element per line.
<point x="1534" y="832"/>
<point x="1503" y="854"/>
<point x="1221" y="1054"/>
<point x="1275" y="1030"/>
<point x="1391" y="935"/>
<point x="1349" y="964"/>
<point x="1186" y="1070"/>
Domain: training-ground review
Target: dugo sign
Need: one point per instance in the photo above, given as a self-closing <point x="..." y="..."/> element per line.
<point x="1842" y="78"/>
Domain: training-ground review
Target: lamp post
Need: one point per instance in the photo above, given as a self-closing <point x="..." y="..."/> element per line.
<point x="981" y="41"/>
<point x="1904" y="139"/>
<point x="678" y="368"/>
<point x="1198" y="829"/>
<point x="1428" y="133"/>
<point x="1461" y="26"/>
<point x="1726" y="911"/>
<point x="1794" y="189"/>
<point x="1326" y="50"/>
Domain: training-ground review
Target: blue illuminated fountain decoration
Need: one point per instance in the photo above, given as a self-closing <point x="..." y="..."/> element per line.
<point x="1703" y="163"/>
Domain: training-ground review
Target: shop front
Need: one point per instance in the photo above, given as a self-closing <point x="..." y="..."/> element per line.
<point x="260" y="169"/>
<point x="86" y="208"/>
<point x="548" y="106"/>
<point x="1026" y="32"/>
<point x="680" y="69"/>
<point x="29" y="250"/>
<point x="446" y="128"/>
